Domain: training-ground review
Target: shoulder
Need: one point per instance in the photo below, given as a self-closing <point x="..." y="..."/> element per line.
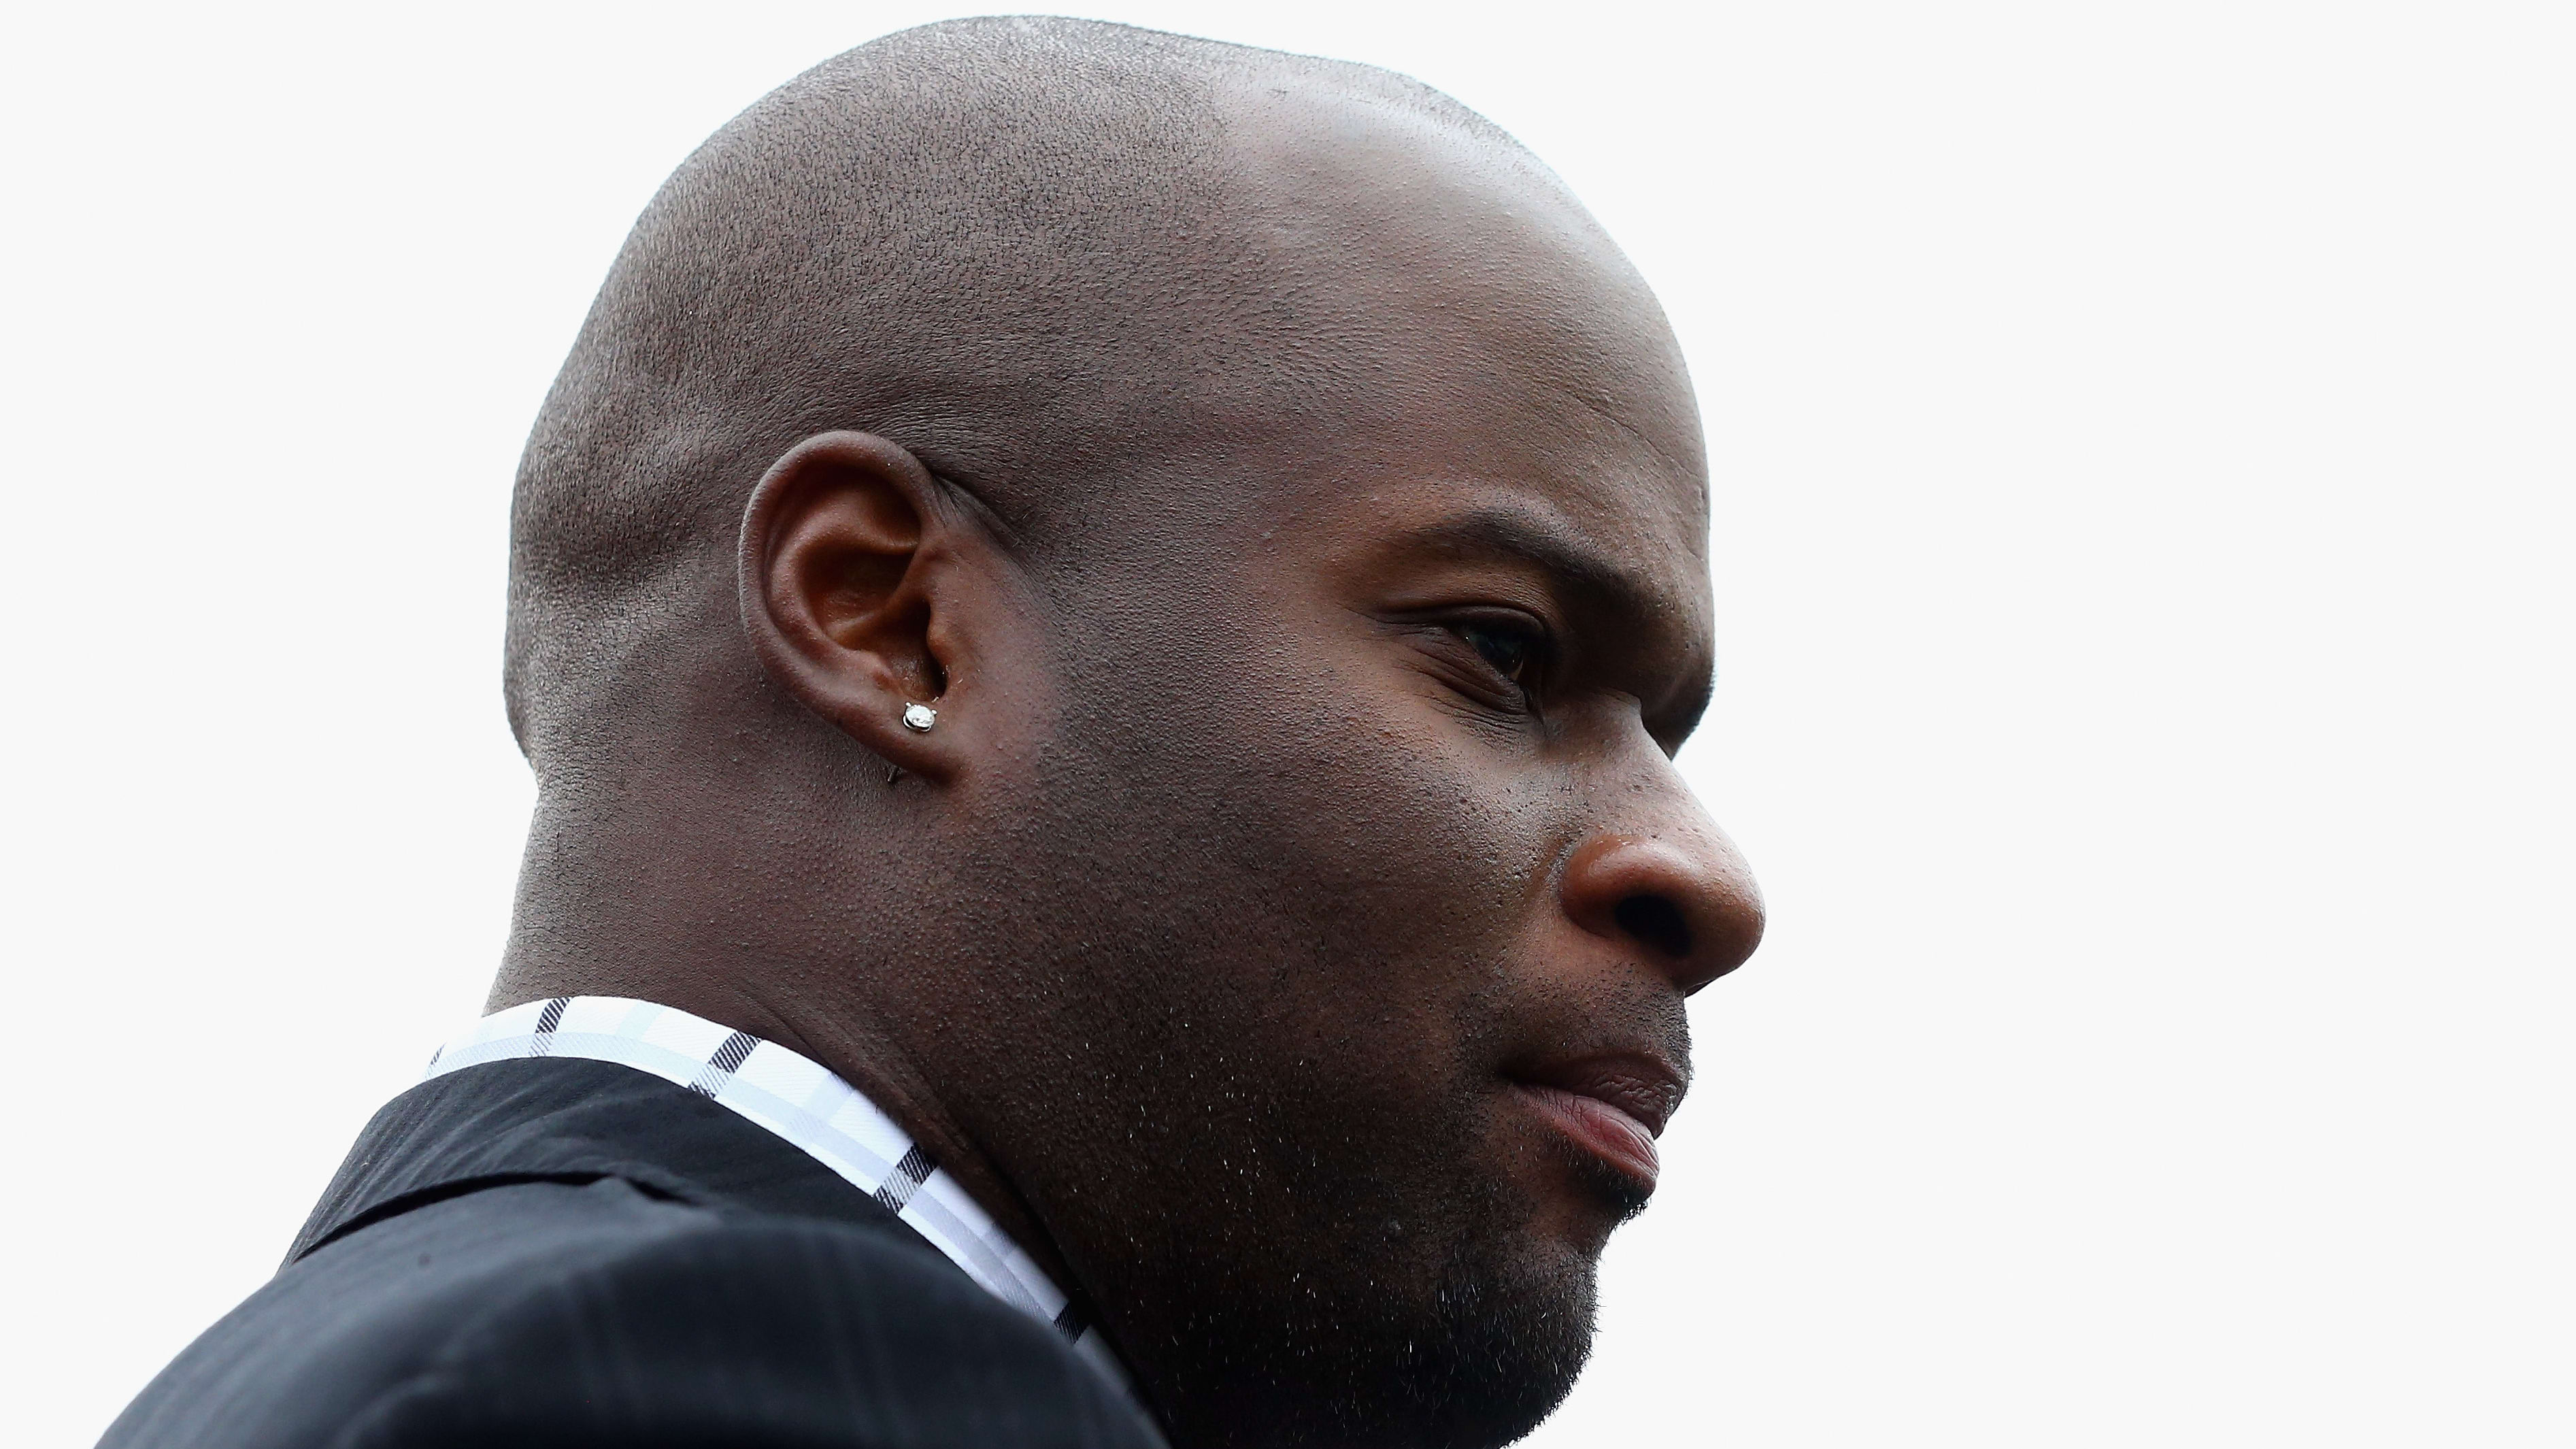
<point x="578" y="1313"/>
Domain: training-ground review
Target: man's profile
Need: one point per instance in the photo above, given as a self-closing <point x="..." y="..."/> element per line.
<point x="1101" y="620"/>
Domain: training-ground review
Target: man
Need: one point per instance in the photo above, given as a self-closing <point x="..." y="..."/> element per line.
<point x="1101" y="620"/>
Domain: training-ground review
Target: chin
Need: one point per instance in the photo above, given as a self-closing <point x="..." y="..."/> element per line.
<point x="1506" y="1332"/>
<point x="1463" y="1329"/>
<point x="1470" y="1349"/>
<point x="1516" y="1330"/>
<point x="1508" y="1326"/>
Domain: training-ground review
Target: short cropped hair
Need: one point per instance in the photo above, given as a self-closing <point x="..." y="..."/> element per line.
<point x="1009" y="245"/>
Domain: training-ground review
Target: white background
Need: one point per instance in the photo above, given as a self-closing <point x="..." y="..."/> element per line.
<point x="2143" y="447"/>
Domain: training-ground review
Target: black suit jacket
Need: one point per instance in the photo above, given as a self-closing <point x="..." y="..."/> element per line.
<point x="570" y="1252"/>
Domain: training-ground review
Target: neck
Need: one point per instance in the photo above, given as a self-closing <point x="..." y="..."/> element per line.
<point x="663" y="925"/>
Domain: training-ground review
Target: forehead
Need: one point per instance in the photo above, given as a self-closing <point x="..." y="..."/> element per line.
<point x="1477" y="342"/>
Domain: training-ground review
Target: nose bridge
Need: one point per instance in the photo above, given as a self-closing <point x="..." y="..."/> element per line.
<point x="1653" y="872"/>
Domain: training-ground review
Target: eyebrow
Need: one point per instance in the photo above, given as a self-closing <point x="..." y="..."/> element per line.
<point x="1587" y="583"/>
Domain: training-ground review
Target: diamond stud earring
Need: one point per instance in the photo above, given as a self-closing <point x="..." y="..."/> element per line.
<point x="918" y="718"/>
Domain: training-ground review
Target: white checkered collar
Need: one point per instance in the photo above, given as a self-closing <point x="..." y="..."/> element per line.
<point x="800" y="1101"/>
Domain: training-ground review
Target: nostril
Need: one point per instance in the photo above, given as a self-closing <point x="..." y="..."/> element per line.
<point x="1655" y="921"/>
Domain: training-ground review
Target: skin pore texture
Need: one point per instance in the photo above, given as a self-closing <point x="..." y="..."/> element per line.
<point x="1294" y="506"/>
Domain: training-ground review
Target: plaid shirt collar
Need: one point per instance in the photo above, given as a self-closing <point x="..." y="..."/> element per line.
<point x="798" y="1100"/>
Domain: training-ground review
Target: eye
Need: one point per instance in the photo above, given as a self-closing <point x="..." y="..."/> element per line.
<point x="1512" y="650"/>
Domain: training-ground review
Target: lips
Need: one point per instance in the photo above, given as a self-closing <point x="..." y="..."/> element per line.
<point x="1614" y="1108"/>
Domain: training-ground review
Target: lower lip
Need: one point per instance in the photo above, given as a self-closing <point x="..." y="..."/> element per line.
<point x="1604" y="1130"/>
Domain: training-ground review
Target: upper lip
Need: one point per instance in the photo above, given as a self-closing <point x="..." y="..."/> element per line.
<point x="1642" y="1084"/>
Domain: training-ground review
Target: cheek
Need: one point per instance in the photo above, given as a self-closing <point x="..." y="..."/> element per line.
<point x="1388" y="848"/>
<point x="1404" y="835"/>
<point x="1281" y="822"/>
<point x="1297" y="885"/>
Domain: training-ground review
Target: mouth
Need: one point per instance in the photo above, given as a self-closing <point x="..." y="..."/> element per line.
<point x="1612" y="1107"/>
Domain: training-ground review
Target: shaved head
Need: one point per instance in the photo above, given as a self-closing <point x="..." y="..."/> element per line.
<point x="1053" y="258"/>
<point x="1290" y="506"/>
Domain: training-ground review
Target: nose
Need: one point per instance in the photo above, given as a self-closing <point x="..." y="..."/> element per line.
<point x="1680" y="897"/>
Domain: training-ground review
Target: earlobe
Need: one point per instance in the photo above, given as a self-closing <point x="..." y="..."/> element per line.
<point x="845" y="548"/>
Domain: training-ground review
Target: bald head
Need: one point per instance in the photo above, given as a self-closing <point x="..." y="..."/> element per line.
<point x="1059" y="261"/>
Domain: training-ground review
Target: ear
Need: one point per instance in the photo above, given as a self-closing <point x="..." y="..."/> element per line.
<point x="849" y="571"/>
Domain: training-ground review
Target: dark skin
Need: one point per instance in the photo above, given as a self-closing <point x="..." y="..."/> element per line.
<point x="1285" y="928"/>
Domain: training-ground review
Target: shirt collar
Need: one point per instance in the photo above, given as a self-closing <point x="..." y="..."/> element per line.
<point x="797" y="1099"/>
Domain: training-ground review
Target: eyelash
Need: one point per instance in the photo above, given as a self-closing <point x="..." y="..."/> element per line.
<point x="1530" y="668"/>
